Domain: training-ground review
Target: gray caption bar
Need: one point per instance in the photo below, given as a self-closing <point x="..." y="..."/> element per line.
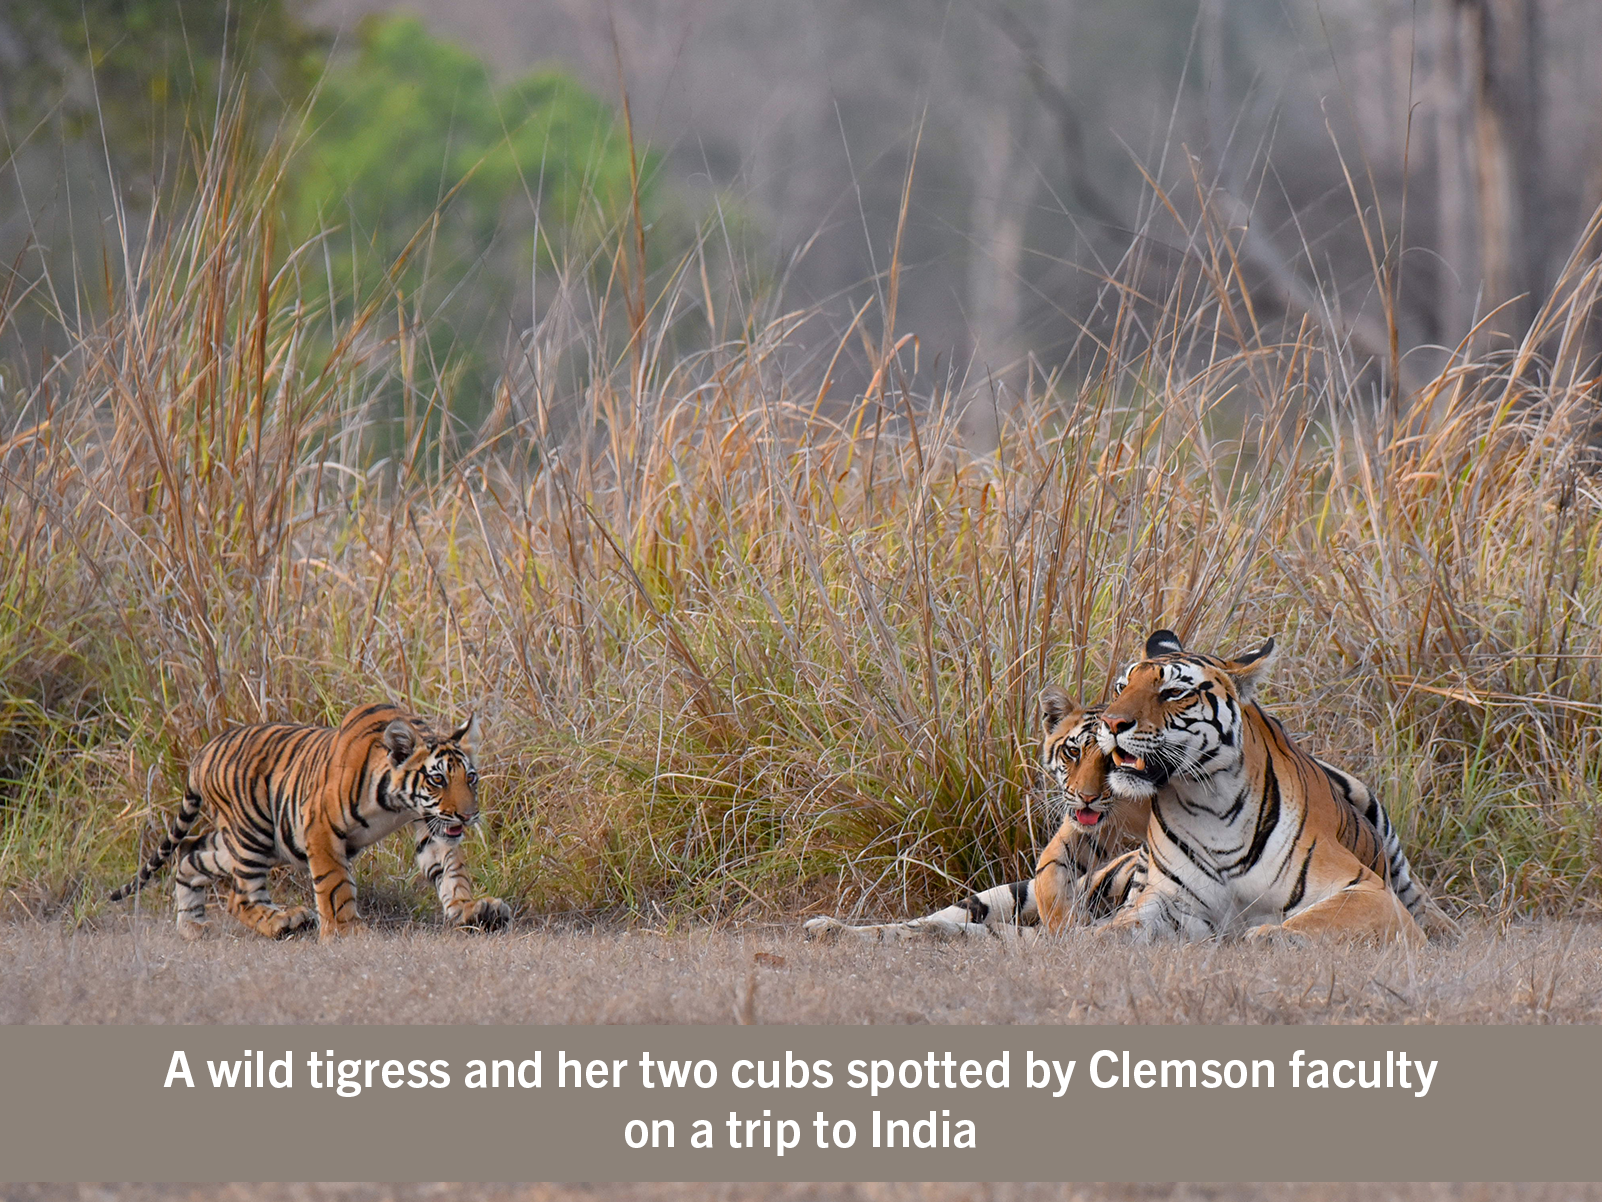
<point x="798" y="1103"/>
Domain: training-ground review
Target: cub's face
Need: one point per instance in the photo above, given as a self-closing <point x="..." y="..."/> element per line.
<point x="1071" y="756"/>
<point x="1176" y="714"/>
<point x="437" y="776"/>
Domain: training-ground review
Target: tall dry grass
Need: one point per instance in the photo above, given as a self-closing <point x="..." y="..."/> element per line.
<point x="743" y="644"/>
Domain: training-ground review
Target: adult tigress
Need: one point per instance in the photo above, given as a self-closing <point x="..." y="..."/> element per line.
<point x="316" y="796"/>
<point x="1084" y="872"/>
<point x="1248" y="831"/>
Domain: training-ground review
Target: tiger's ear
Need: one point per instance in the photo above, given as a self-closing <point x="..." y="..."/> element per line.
<point x="1250" y="669"/>
<point x="1056" y="705"/>
<point x="1162" y="642"/>
<point x="399" y="740"/>
<point x="465" y="736"/>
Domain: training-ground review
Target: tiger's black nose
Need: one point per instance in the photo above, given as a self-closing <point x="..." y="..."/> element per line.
<point x="1116" y="725"/>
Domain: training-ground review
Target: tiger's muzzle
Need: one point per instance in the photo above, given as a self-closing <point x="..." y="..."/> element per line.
<point x="1133" y="771"/>
<point x="1114" y="730"/>
<point x="1124" y="759"/>
<point x="450" y="826"/>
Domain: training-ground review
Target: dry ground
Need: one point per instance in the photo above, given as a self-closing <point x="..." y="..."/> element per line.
<point x="139" y="971"/>
<point x="867" y="1192"/>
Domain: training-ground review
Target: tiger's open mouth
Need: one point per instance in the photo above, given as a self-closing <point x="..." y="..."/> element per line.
<point x="1123" y="759"/>
<point x="453" y="830"/>
<point x="1087" y="816"/>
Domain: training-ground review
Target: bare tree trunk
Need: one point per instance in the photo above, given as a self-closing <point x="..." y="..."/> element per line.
<point x="1003" y="188"/>
<point x="1498" y="39"/>
<point x="1458" y="290"/>
<point x="1002" y="134"/>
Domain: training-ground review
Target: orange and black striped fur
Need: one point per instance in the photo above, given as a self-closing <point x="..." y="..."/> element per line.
<point x="1084" y="871"/>
<point x="315" y="796"/>
<point x="1248" y="831"/>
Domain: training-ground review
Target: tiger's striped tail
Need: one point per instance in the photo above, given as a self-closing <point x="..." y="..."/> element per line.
<point x="188" y="812"/>
<point x="1430" y="917"/>
<point x="1401" y="872"/>
<point x="1434" y="921"/>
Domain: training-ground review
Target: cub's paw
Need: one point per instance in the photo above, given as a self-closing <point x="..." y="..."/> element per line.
<point x="327" y="932"/>
<point x="291" y="922"/>
<point x="822" y="929"/>
<point x="486" y="914"/>
<point x="192" y="930"/>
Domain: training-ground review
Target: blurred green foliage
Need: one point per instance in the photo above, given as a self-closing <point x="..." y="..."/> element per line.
<point x="400" y="141"/>
<point x="411" y="144"/>
<point x="410" y="124"/>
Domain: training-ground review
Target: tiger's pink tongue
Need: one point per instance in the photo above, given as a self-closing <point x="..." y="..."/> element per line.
<point x="1087" y="817"/>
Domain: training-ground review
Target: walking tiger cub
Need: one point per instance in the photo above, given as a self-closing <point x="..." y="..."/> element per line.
<point x="1248" y="831"/>
<point x="315" y="796"/>
<point x="1085" y="871"/>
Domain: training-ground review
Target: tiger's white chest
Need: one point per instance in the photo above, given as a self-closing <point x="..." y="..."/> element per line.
<point x="380" y="825"/>
<point x="1228" y="850"/>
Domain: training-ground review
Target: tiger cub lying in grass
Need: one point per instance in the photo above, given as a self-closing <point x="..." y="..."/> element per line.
<point x="316" y="796"/>
<point x="1085" y="871"/>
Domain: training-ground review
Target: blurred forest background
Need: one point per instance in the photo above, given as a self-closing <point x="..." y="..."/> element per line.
<point x="1427" y="163"/>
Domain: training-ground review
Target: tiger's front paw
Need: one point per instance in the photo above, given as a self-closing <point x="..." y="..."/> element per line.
<point x="486" y="914"/>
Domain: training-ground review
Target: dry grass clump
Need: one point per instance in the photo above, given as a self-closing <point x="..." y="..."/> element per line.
<point x="143" y="973"/>
<point x="744" y="646"/>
